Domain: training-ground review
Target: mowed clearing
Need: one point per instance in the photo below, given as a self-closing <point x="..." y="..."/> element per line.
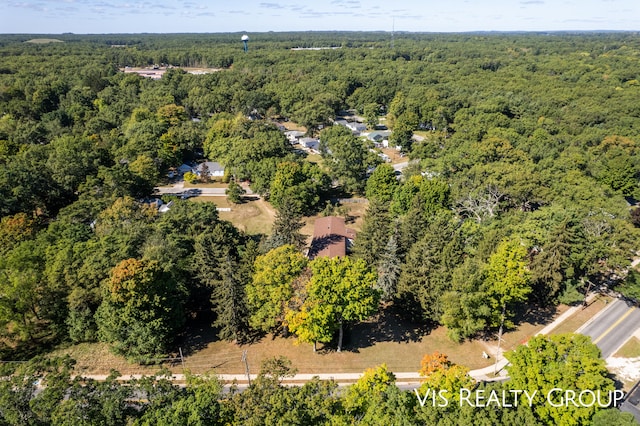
<point x="385" y="339"/>
<point x="254" y="216"/>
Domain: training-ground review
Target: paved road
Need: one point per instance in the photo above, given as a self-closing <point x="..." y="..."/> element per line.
<point x="613" y="326"/>
<point x="179" y="190"/>
<point x="400" y="166"/>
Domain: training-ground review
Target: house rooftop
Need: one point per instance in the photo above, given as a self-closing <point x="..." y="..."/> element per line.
<point x="213" y="166"/>
<point x="331" y="238"/>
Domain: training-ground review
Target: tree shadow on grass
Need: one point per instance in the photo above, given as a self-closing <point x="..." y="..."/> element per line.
<point x="199" y="333"/>
<point x="388" y="326"/>
<point x="535" y="315"/>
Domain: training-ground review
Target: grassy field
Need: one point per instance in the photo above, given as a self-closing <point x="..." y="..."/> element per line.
<point x="385" y="339"/>
<point x="631" y="349"/>
<point x="253" y="217"/>
<point x="314" y="158"/>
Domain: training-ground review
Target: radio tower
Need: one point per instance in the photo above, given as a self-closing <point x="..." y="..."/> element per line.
<point x="393" y="30"/>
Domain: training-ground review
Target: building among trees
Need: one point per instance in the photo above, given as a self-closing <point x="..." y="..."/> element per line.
<point x="331" y="238"/>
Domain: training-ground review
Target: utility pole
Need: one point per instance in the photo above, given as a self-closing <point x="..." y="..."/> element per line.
<point x="181" y="358"/>
<point x="495" y="366"/>
<point x="246" y="366"/>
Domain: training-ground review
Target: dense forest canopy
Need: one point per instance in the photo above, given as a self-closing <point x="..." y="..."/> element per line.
<point x="527" y="153"/>
<point x="521" y="192"/>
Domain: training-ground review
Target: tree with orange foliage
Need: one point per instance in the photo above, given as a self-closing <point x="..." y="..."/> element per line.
<point x="440" y="374"/>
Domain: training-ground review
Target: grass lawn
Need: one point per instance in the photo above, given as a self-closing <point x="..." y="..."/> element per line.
<point x="252" y="217"/>
<point x="385" y="339"/>
<point x="631" y="349"/>
<point x="314" y="158"/>
<point x="96" y="358"/>
<point x="290" y="125"/>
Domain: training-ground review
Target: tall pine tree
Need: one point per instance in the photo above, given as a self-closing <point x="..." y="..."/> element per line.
<point x="217" y="266"/>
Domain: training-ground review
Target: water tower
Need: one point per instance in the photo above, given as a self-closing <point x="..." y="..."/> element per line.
<point x="245" y="41"/>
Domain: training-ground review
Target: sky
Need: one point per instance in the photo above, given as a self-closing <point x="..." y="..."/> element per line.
<point x="214" y="16"/>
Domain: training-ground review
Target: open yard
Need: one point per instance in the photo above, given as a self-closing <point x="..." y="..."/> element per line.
<point x="385" y="339"/>
<point x="254" y="216"/>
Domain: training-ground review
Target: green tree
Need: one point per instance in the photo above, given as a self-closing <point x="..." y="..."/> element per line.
<point x="234" y="192"/>
<point x="613" y="416"/>
<point x="382" y="184"/>
<point x="286" y="227"/>
<point x="389" y="269"/>
<point x="507" y="279"/>
<point x="426" y="274"/>
<point x="198" y="405"/>
<point x="217" y="265"/>
<point x="90" y="402"/>
<point x="467" y="310"/>
<point x="371" y="241"/>
<point x="631" y="286"/>
<point x="347" y="157"/>
<point x="402" y="134"/>
<point x="142" y="309"/>
<point x="299" y="186"/>
<point x="190" y="177"/>
<point x="15" y="229"/>
<point x="370" y="113"/>
<point x="566" y="361"/>
<point x="369" y="390"/>
<point x="271" y="288"/>
<point x="340" y="290"/>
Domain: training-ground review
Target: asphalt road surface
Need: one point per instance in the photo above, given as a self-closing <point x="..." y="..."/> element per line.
<point x="613" y="327"/>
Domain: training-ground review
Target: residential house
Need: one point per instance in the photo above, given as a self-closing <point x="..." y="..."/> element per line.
<point x="331" y="238"/>
<point x="184" y="168"/>
<point x="379" y="135"/>
<point x="310" y="143"/>
<point x="355" y="127"/>
<point x="213" y="169"/>
<point x="293" y="136"/>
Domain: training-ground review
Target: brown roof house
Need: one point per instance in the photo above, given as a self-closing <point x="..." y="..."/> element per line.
<point x="331" y="238"/>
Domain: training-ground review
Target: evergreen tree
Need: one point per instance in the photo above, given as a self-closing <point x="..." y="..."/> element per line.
<point x="426" y="274"/>
<point x="371" y="241"/>
<point x="286" y="229"/>
<point x="234" y="192"/>
<point x="218" y="267"/>
<point x="551" y="267"/>
<point x="389" y="269"/>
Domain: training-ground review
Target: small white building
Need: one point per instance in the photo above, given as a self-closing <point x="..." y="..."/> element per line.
<point x="310" y="143"/>
<point x="356" y="128"/>
<point x="293" y="136"/>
